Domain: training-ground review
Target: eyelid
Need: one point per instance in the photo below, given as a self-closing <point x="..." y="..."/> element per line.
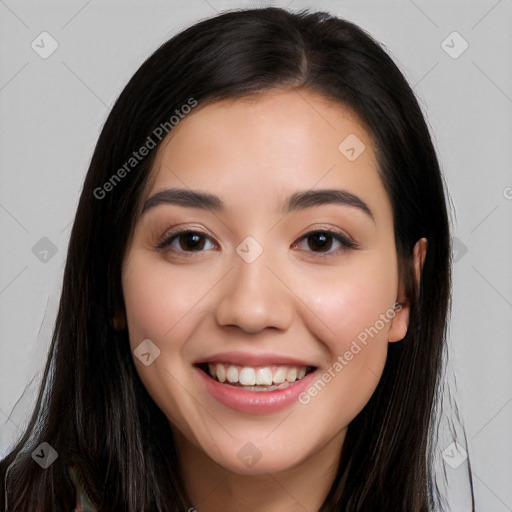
<point x="345" y="240"/>
<point x="175" y="232"/>
<point x="332" y="230"/>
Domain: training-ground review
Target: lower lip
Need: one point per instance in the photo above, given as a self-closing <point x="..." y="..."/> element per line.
<point x="255" y="402"/>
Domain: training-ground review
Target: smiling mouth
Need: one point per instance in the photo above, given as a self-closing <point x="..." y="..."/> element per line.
<point x="259" y="378"/>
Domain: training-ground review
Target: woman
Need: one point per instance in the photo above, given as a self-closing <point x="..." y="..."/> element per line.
<point x="256" y="292"/>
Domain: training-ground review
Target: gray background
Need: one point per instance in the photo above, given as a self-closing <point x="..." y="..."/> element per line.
<point x="52" y="110"/>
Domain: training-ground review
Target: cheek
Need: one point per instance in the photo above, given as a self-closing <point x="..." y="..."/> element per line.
<point x="353" y="314"/>
<point x="157" y="301"/>
<point x="160" y="307"/>
<point x="351" y="300"/>
<point x="157" y="305"/>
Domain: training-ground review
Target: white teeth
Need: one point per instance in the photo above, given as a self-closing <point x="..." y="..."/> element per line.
<point x="280" y="375"/>
<point x="291" y="375"/>
<point x="232" y="374"/>
<point x="264" y="376"/>
<point x="247" y="377"/>
<point x="220" y="371"/>
<point x="267" y="388"/>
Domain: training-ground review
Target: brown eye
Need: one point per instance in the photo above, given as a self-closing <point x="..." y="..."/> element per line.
<point x="186" y="241"/>
<point x="325" y="243"/>
<point x="191" y="241"/>
<point x="320" y="241"/>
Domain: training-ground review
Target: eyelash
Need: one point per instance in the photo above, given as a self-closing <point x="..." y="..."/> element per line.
<point x="346" y="243"/>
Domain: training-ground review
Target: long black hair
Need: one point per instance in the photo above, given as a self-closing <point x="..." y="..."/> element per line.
<point x="92" y="407"/>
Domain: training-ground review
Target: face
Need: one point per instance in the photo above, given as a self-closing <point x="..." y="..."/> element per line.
<point x="268" y="304"/>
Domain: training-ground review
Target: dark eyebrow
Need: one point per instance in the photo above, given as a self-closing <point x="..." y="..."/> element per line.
<point x="310" y="198"/>
<point x="184" y="197"/>
<point x="297" y="201"/>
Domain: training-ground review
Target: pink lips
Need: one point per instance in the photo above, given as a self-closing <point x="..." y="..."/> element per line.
<point x="253" y="359"/>
<point x="254" y="402"/>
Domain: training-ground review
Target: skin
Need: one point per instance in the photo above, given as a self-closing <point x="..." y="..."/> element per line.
<point x="292" y="300"/>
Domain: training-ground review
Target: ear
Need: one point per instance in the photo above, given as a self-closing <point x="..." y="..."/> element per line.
<point x="118" y="321"/>
<point x="400" y="321"/>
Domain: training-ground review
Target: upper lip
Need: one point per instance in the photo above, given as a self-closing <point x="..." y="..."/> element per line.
<point x="253" y="359"/>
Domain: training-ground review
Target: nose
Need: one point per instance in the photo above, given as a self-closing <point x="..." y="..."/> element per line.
<point x="254" y="297"/>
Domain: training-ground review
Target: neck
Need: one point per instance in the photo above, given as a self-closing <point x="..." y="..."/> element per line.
<point x="212" y="488"/>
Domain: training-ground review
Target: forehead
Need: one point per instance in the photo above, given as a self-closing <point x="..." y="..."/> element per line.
<point x="268" y="144"/>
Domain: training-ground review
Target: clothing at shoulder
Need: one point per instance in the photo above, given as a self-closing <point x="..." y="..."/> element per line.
<point x="83" y="502"/>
